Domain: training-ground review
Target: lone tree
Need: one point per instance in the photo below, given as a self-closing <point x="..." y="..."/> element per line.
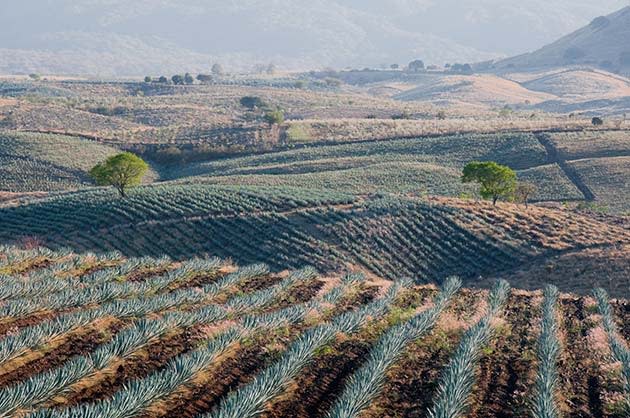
<point x="217" y="69"/>
<point x="252" y="102"/>
<point x="121" y="171"/>
<point x="523" y="192"/>
<point x="597" y="121"/>
<point x="274" y="117"/>
<point x="416" y="66"/>
<point x="497" y="181"/>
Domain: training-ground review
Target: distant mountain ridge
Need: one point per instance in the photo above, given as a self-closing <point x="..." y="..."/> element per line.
<point x="137" y="37"/>
<point x="604" y="43"/>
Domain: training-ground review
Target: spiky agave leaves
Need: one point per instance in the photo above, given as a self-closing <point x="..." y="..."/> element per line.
<point x="366" y="383"/>
<point x="619" y="349"/>
<point x="142" y="333"/>
<point x="140" y="393"/>
<point x="249" y="400"/>
<point x="41" y="387"/>
<point x="544" y="402"/>
<point x="458" y="377"/>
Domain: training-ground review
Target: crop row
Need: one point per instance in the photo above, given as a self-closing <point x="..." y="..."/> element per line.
<point x="139" y="394"/>
<point x="15" y="344"/>
<point x="39" y="388"/>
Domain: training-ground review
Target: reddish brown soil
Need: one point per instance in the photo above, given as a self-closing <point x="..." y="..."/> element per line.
<point x="317" y="385"/>
<point x="139" y="366"/>
<point x="258" y="283"/>
<point x="27" y="321"/>
<point x="506" y="374"/>
<point x="315" y="389"/>
<point x="251" y="359"/>
<point x="300" y="293"/>
<point x="579" y="376"/>
<point x="77" y="344"/>
<point x="413" y="380"/>
<point x="146" y="273"/>
<point x="198" y="280"/>
<point x="622" y="315"/>
<point x="234" y="371"/>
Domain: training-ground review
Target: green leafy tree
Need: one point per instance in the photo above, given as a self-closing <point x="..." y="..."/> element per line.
<point x="416" y="66"/>
<point x="204" y="78"/>
<point x="188" y="78"/>
<point x="148" y="79"/>
<point x="252" y="102"/>
<point x="163" y="79"/>
<point x="497" y="181"/>
<point x="121" y="171"/>
<point x="177" y="79"/>
<point x="597" y="121"/>
<point x="274" y="117"/>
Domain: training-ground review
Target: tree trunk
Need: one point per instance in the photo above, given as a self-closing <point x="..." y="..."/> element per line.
<point x="494" y="200"/>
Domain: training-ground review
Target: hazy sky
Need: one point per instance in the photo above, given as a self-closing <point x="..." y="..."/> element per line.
<point x="289" y="32"/>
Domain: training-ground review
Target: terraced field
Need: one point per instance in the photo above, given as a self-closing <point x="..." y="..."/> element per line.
<point x="87" y="335"/>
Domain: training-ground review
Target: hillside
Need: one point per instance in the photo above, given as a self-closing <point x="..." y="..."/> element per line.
<point x="104" y="335"/>
<point x="482" y="89"/>
<point x="603" y="43"/>
<point x="287" y="227"/>
<point x="141" y="37"/>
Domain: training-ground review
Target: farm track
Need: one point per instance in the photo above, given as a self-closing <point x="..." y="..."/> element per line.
<point x="506" y="373"/>
<point x="571" y="173"/>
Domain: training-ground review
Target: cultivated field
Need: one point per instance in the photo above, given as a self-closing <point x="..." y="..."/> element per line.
<point x="108" y="336"/>
<point x="287" y="227"/>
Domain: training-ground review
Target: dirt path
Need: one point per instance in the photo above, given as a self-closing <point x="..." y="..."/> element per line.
<point x="571" y="173"/>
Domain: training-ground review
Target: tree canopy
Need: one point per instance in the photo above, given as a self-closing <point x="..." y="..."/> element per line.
<point x="496" y="180"/>
<point x="121" y="171"/>
<point x="252" y="102"/>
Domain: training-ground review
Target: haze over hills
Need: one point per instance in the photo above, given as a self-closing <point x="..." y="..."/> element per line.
<point x="605" y="43"/>
<point x="144" y="36"/>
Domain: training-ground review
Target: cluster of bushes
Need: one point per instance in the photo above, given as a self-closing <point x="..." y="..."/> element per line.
<point x="187" y="78"/>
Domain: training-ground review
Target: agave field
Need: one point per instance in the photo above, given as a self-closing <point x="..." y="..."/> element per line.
<point x="86" y="335"/>
<point x="288" y="227"/>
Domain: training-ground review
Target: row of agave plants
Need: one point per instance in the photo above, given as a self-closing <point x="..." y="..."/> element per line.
<point x="17" y="343"/>
<point x="139" y="394"/>
<point x="250" y="400"/>
<point x="94" y="209"/>
<point x="619" y="349"/>
<point x="41" y="387"/>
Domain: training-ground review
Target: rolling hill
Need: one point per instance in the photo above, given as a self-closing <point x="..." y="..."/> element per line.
<point x="287" y="227"/>
<point x="141" y="37"/>
<point x="603" y="43"/>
